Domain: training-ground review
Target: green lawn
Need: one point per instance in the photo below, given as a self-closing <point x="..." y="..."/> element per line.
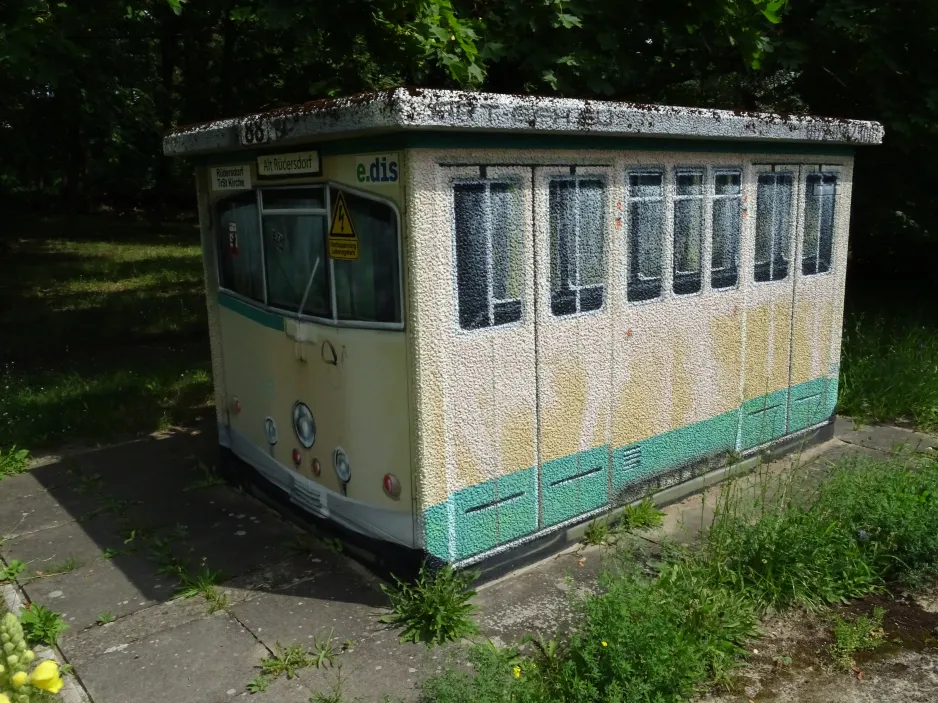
<point x="103" y="330"/>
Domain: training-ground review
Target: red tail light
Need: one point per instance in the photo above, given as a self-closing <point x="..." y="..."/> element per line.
<point x="296" y="457"/>
<point x="392" y="487"/>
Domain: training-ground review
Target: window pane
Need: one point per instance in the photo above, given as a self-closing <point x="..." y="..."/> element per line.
<point x="688" y="232"/>
<point x="368" y="290"/>
<point x="507" y="223"/>
<point x="563" y="262"/>
<point x="646" y="217"/>
<point x="294" y="247"/>
<point x="293" y="198"/>
<point x="590" y="200"/>
<point x="576" y="245"/>
<point x="773" y="226"/>
<point x="724" y="257"/>
<point x="238" y="242"/>
<point x="820" y="194"/>
<point x="471" y="247"/>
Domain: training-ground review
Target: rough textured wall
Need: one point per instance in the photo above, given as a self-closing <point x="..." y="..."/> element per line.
<point x="577" y="398"/>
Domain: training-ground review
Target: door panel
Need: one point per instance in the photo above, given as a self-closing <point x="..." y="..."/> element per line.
<point x="572" y="230"/>
<point x="813" y="371"/>
<point x="490" y="401"/>
<point x="769" y="303"/>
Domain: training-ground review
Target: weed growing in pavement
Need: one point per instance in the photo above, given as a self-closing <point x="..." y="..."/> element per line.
<point x="286" y="660"/>
<point x="41" y="625"/>
<point x="856" y="635"/>
<point x="597" y="532"/>
<point x="323" y="652"/>
<point x="258" y="684"/>
<point x="435" y="609"/>
<point x="210" y="477"/>
<point x="641" y="516"/>
<point x="12" y="570"/>
<point x="13" y="461"/>
<point x="65" y="566"/>
<point x="105" y="618"/>
<point x="203" y="583"/>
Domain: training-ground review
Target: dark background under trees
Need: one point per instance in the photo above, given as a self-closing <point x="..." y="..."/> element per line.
<point x="87" y="89"/>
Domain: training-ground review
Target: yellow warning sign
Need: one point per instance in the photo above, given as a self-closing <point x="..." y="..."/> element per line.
<point x="343" y="241"/>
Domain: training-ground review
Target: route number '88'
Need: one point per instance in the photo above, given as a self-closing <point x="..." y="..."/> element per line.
<point x="255" y="133"/>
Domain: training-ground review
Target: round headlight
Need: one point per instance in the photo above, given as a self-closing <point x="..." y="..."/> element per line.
<point x="342" y="468"/>
<point x="304" y="424"/>
<point x="270" y="429"/>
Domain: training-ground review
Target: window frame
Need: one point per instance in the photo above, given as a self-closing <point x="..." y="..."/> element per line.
<point x="793" y="170"/>
<point x="665" y="286"/>
<point x="328" y="186"/>
<point x="712" y="197"/>
<point x="576" y="177"/>
<point x="802" y="225"/>
<point x="472" y="176"/>
<point x="672" y="198"/>
<point x="214" y="224"/>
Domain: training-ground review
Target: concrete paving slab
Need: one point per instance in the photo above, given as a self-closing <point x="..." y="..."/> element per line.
<point x="889" y="438"/>
<point x="117" y="587"/>
<point x="205" y="661"/>
<point x="83" y="646"/>
<point x="381" y="669"/>
<point x="14" y="488"/>
<point x="44" y="549"/>
<point x="537" y="599"/>
<point x="37" y="512"/>
<point x="339" y="600"/>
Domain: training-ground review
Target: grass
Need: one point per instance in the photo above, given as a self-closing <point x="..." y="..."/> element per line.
<point x="104" y="331"/>
<point x="203" y="582"/>
<point x="858" y="634"/>
<point x="105" y="618"/>
<point x="777" y="542"/>
<point x="642" y="516"/>
<point x="889" y="369"/>
<point x="435" y="609"/>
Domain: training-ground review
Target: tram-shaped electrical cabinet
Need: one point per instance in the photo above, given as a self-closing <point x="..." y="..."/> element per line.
<point x="461" y="322"/>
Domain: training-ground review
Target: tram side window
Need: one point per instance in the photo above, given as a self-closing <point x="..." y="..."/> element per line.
<point x="489" y="230"/>
<point x="773" y="226"/>
<point x="727" y="206"/>
<point x="576" y="245"/>
<point x="294" y="222"/>
<point x="238" y="244"/>
<point x="820" y="194"/>
<point x="369" y="289"/>
<point x="646" y="219"/>
<point x="688" y="231"/>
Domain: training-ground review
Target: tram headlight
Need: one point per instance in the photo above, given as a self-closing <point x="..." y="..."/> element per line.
<point x="270" y="430"/>
<point x="304" y="424"/>
<point x="342" y="468"/>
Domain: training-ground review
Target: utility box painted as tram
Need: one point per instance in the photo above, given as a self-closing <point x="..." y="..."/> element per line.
<point x="459" y="322"/>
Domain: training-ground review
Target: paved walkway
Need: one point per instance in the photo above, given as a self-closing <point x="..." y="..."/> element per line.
<point x="98" y="529"/>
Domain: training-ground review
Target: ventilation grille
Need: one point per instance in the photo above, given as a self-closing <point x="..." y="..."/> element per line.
<point x="631" y="459"/>
<point x="309" y="498"/>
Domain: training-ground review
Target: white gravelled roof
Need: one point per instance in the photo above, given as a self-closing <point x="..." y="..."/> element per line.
<point x="417" y="109"/>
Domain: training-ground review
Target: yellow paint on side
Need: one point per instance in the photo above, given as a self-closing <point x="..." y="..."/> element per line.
<point x="803" y="341"/>
<point x="757" y="382"/>
<point x="726" y="334"/>
<point x="682" y="385"/>
<point x="782" y="343"/>
<point x="516" y="441"/>
<point x="562" y="410"/>
<point x="641" y="408"/>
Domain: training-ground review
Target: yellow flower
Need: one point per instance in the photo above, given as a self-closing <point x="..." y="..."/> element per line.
<point x="4" y="698"/>
<point x="516" y="670"/>
<point x="18" y="679"/>
<point x="605" y="644"/>
<point x="46" y="676"/>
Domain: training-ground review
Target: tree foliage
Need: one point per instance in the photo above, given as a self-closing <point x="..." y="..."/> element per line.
<point x="87" y="89"/>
